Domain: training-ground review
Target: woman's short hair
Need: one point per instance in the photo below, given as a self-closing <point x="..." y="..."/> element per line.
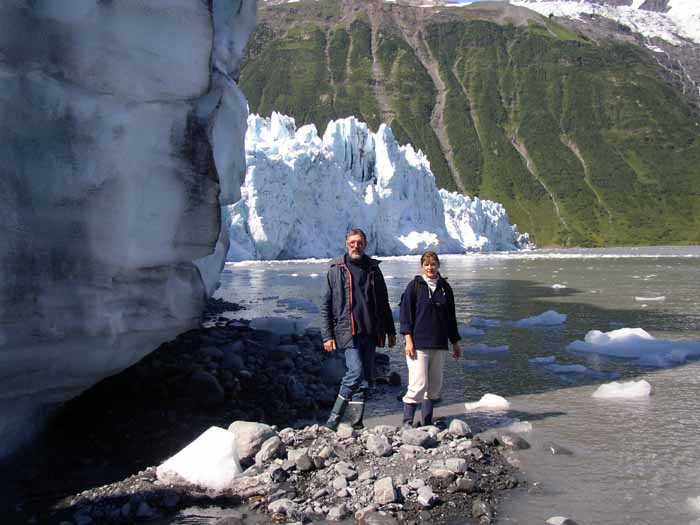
<point x="356" y="231"/>
<point x="429" y="255"/>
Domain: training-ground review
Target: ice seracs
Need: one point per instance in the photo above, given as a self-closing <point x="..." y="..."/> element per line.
<point x="303" y="192"/>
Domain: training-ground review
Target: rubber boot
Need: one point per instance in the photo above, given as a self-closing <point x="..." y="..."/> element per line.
<point x="336" y="413"/>
<point x="427" y="412"/>
<point x="356" y="410"/>
<point x="409" y="412"/>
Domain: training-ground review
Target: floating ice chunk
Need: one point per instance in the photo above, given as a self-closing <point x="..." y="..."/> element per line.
<point x="548" y="318"/>
<point x="474" y="363"/>
<point x="279" y="325"/>
<point x="558" y="286"/>
<point x="481" y="348"/>
<point x="299" y="303"/>
<point x="469" y="331"/>
<point x="314" y="275"/>
<point x="480" y="322"/>
<point x="694" y="504"/>
<point x="567" y="369"/>
<point x="624" y="390"/>
<point x="649" y="299"/>
<point x="210" y="461"/>
<point x="548" y="360"/>
<point x="636" y="343"/>
<point x="488" y="402"/>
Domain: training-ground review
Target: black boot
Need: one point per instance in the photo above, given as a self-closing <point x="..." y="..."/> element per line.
<point x="409" y="412"/>
<point x="337" y="413"/>
<point x="427" y="412"/>
<point x="357" y="412"/>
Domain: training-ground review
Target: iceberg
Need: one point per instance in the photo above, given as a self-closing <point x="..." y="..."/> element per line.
<point x="637" y="343"/>
<point x="121" y="137"/>
<point x="303" y="192"/>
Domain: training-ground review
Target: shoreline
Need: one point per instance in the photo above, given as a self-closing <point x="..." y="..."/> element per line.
<point x="100" y="451"/>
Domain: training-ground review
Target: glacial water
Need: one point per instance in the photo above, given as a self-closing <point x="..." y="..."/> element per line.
<point x="633" y="461"/>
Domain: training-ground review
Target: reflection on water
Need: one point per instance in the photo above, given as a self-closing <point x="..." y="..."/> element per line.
<point x="633" y="462"/>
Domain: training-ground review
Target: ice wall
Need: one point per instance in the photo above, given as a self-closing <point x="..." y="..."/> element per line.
<point x="121" y="134"/>
<point x="302" y="193"/>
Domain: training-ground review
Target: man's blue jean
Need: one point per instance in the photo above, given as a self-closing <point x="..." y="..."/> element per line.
<point x="359" y="364"/>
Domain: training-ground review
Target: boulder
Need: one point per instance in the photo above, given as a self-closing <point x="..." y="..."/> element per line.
<point x="249" y="438"/>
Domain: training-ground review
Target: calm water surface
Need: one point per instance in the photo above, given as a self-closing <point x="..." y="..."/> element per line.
<point x="634" y="461"/>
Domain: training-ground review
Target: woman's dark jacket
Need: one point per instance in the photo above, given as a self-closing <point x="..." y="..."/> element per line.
<point x="336" y="310"/>
<point x="429" y="318"/>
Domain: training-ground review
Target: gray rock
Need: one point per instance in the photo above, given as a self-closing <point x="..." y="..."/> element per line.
<point x="145" y="511"/>
<point x="458" y="465"/>
<point x="481" y="508"/>
<point x="513" y="441"/>
<point x="294" y="453"/>
<point x="409" y="451"/>
<point x="337" y="513"/>
<point x="268" y="450"/>
<point x="232" y="361"/>
<point x="557" y="450"/>
<point x="339" y="482"/>
<point x="367" y="475"/>
<point x="379" y="445"/>
<point x="417" y="437"/>
<point x="476" y="453"/>
<point x="346" y="431"/>
<point x="374" y="517"/>
<point x="346" y="470"/>
<point x="320" y="493"/>
<point x="304" y="463"/>
<point x="205" y="389"/>
<point x="465" y="484"/>
<point x="459" y="428"/>
<point x="384" y="491"/>
<point x="443" y="473"/>
<point x="560" y="520"/>
<point x="384" y="429"/>
<point x="416" y="483"/>
<point x="283" y="506"/>
<point x="211" y="351"/>
<point x="249" y="438"/>
<point x="426" y="497"/>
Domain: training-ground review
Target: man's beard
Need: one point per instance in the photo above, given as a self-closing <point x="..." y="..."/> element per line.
<point x="354" y="254"/>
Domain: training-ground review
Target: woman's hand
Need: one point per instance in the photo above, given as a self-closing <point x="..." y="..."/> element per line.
<point x="410" y="350"/>
<point x="456" y="351"/>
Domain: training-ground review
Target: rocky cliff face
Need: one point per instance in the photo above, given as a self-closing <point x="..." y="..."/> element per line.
<point x="121" y="134"/>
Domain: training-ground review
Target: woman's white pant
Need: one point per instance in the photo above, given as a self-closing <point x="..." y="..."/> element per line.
<point x="424" y="375"/>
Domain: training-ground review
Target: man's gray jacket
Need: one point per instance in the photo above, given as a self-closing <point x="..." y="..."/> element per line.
<point x="337" y="321"/>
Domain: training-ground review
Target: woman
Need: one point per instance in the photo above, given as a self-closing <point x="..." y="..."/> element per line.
<point x="428" y="322"/>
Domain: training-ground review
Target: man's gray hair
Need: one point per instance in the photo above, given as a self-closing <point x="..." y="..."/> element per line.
<point x="356" y="231"/>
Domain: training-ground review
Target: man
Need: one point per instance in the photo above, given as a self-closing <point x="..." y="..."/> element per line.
<point x="356" y="317"/>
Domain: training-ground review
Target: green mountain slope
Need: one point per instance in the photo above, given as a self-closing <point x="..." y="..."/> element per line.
<point x="582" y="141"/>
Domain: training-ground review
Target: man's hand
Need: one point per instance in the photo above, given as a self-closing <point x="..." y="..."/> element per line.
<point x="329" y="346"/>
<point x="392" y="341"/>
<point x="456" y="353"/>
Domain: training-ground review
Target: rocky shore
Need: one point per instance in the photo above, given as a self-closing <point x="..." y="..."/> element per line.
<point x="227" y="371"/>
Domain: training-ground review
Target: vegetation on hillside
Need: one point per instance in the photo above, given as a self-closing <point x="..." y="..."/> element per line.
<point x="582" y="142"/>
